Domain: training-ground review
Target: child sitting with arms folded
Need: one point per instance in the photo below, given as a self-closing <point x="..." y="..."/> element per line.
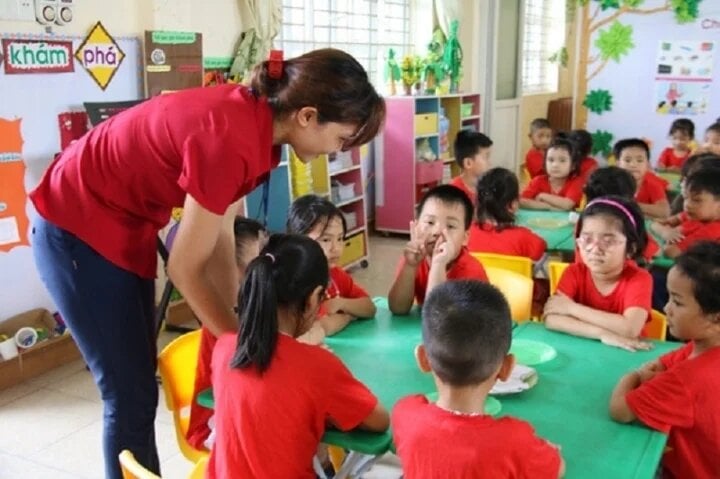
<point x="250" y="238"/>
<point x="633" y="155"/>
<point x="466" y="334"/>
<point x="605" y="296"/>
<point x="322" y="221"/>
<point x="682" y="134"/>
<point x="583" y="141"/>
<point x="677" y="394"/>
<point x="560" y="188"/>
<point x="540" y="137"/>
<point x="274" y="395"/>
<point x="437" y="249"/>
<point x="472" y="154"/>
<point x="614" y="181"/>
<point x="701" y="219"/>
<point x="694" y="163"/>
<point x="494" y="230"/>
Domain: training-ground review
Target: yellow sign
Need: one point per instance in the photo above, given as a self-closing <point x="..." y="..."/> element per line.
<point x="100" y="55"/>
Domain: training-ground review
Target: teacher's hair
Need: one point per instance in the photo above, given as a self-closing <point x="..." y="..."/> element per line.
<point x="284" y="275"/>
<point x="331" y="81"/>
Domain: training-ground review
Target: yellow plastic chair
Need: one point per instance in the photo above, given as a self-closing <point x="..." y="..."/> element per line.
<point x="177" y="363"/>
<point x="131" y="469"/>
<point x="656" y="328"/>
<point x="518" y="291"/>
<point x="198" y="471"/>
<point x="518" y="264"/>
<point x="555" y="272"/>
<point x="525" y="176"/>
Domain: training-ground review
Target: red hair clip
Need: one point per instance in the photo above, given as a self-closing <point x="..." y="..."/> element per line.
<point x="275" y="66"/>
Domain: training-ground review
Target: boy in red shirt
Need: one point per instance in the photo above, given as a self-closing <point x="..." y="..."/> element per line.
<point x="677" y="394"/>
<point x="472" y="154"/>
<point x="633" y="154"/>
<point x="682" y="134"/>
<point x="540" y="137"/>
<point x="466" y="333"/>
<point x="437" y="249"/>
<point x="701" y="219"/>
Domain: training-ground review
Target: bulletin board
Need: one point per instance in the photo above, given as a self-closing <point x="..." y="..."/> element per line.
<point x="172" y="61"/>
<point x="31" y="103"/>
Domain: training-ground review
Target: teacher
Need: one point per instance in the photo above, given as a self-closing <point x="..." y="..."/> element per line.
<point x="103" y="201"/>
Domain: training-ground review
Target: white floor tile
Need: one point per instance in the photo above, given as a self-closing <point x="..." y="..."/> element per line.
<point x="79" y="453"/>
<point x="14" y="467"/>
<point x="176" y="467"/>
<point x="79" y="384"/>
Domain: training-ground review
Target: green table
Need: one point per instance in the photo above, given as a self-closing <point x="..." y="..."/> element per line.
<point x="558" y="239"/>
<point x="672" y="177"/>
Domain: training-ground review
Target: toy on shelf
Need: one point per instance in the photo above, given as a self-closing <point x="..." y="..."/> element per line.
<point x="434" y="68"/>
<point x="410" y="68"/>
<point x="392" y="71"/>
<point x="425" y="151"/>
<point x="453" y="57"/>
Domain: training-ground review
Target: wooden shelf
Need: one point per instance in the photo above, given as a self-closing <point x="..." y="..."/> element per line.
<point x="344" y="170"/>
<point x="471" y="117"/>
<point x="448" y="160"/>
<point x="350" y="201"/>
<point x="355" y="231"/>
<point x="428" y="135"/>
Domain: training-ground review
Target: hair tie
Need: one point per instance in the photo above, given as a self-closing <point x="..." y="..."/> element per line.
<point x="275" y="66"/>
<point x="272" y="258"/>
<point x="614" y="204"/>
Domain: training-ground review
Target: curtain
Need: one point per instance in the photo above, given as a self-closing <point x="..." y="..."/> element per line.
<point x="261" y="21"/>
<point x="445" y="12"/>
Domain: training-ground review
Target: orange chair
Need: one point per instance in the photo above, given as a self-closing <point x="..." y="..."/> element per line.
<point x="198" y="471"/>
<point x="517" y="289"/>
<point x="177" y="364"/>
<point x="518" y="264"/>
<point x="555" y="272"/>
<point x="656" y="328"/>
<point x="131" y="469"/>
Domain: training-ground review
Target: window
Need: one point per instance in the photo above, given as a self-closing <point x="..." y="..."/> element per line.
<point x="543" y="35"/>
<point x="354" y="26"/>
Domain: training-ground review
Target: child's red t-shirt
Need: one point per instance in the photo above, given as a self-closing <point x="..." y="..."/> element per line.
<point x="668" y="158"/>
<point x="198" y="430"/>
<point x="683" y="403"/>
<point x="513" y="240"/>
<point x="341" y="285"/>
<point x="694" y="231"/>
<point x="652" y="189"/>
<point x="535" y="162"/>
<point x="572" y="189"/>
<point x="587" y="166"/>
<point x="458" y="182"/>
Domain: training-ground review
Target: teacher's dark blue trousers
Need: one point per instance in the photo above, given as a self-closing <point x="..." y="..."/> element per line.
<point x="109" y="312"/>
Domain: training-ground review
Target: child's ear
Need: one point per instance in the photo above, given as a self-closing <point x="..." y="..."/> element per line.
<point x="514" y="206"/>
<point x="466" y="238"/>
<point x="467" y="162"/>
<point x="422" y="359"/>
<point x="312" y="304"/>
<point x="506" y="367"/>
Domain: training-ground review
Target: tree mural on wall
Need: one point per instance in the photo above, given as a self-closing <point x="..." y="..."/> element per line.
<point x="601" y="24"/>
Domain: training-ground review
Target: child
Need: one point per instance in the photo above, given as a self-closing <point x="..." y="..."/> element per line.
<point x="614" y="181"/>
<point x="694" y="163"/>
<point x="633" y="155"/>
<point x="677" y="393"/>
<point x="466" y="333"/>
<point x="540" y="137"/>
<point x="701" y="220"/>
<point x="472" y="154"/>
<point x="250" y="238"/>
<point x="560" y="188"/>
<point x="494" y="230"/>
<point x="321" y="220"/>
<point x="272" y="393"/>
<point x="583" y="141"/>
<point x="606" y="296"/>
<point x="437" y="248"/>
<point x="712" y="139"/>
<point x="682" y="133"/>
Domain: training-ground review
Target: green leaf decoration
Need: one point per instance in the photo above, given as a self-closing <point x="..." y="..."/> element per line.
<point x="602" y="142"/>
<point x="560" y="57"/>
<point x="598" y="101"/>
<point x="686" y="11"/>
<point x="605" y="4"/>
<point x="615" y="42"/>
<point x="632" y="3"/>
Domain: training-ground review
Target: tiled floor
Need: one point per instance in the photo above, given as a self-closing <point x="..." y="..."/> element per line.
<point x="50" y="427"/>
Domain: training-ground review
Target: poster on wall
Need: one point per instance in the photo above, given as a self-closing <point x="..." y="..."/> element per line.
<point x="172" y="61"/>
<point x="100" y="55"/>
<point x="37" y="56"/>
<point x="683" y="77"/>
<point x="13" y="197"/>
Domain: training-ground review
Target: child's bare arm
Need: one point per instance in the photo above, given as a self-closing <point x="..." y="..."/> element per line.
<point x="532" y="204"/>
<point x="356" y="307"/>
<point x="560" y="202"/>
<point x="672" y="251"/>
<point x="377" y="421"/>
<point x="334" y="322"/>
<point x="402" y="291"/>
<point x="619" y="409"/>
<point x="660" y="209"/>
<point x="629" y="324"/>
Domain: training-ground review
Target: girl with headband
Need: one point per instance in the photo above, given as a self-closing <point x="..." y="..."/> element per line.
<point x="102" y="202"/>
<point x="606" y="295"/>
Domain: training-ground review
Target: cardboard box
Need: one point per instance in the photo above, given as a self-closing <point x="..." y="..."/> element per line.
<point x="44" y="356"/>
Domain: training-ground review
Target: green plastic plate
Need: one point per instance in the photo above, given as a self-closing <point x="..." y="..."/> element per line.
<point x="492" y="405"/>
<point x="530" y="352"/>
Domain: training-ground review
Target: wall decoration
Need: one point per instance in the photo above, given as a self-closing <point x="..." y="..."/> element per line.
<point x="172" y="61"/>
<point x="13" y="219"/>
<point x="37" y="56"/>
<point x="684" y="72"/>
<point x="100" y="55"/>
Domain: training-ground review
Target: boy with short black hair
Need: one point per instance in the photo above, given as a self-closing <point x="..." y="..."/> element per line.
<point x="633" y="155"/>
<point x="466" y="334"/>
<point x="540" y="135"/>
<point x="472" y="155"/>
<point x="437" y="250"/>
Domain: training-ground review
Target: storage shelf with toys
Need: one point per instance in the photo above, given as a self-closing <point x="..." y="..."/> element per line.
<point x="415" y="152"/>
<point x="339" y="177"/>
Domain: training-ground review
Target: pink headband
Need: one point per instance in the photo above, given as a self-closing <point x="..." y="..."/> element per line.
<point x="615" y="204"/>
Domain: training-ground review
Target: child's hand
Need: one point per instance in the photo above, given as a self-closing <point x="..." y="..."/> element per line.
<point x="445" y="251"/>
<point x="627" y="344"/>
<point x="559" y="304"/>
<point x="415" y="249"/>
<point x="648" y="370"/>
<point x="334" y="305"/>
<point x="673" y="235"/>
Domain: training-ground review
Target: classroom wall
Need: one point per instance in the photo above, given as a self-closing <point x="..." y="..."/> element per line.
<point x="27" y="97"/>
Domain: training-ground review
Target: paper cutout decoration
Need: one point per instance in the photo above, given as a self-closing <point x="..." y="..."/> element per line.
<point x="37" y="56"/>
<point x="598" y="101"/>
<point x="172" y="61"/>
<point x="13" y="197"/>
<point x="100" y="55"/>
